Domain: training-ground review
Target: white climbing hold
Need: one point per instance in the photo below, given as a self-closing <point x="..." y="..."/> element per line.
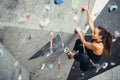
<point x="47" y="7"/>
<point x="21" y="20"/>
<point x="16" y="63"/>
<point x="112" y="63"/>
<point x="116" y="34"/>
<point x="20" y="77"/>
<point x="113" y="40"/>
<point x="44" y="22"/>
<point x="82" y="74"/>
<point x="43" y="66"/>
<point x="104" y="65"/>
<point x="51" y="65"/>
<point x="75" y="18"/>
<point x="113" y="8"/>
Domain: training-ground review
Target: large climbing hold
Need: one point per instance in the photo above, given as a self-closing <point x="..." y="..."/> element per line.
<point x="112" y="8"/>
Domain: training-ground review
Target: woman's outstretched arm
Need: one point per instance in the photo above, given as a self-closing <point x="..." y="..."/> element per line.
<point x="90" y="21"/>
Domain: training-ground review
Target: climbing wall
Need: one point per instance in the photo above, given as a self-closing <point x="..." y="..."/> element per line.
<point x="44" y="14"/>
<point x="26" y="26"/>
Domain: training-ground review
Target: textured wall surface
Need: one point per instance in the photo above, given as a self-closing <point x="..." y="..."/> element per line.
<point x="25" y="28"/>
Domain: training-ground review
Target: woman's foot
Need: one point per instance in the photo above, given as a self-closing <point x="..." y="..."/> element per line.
<point x="69" y="53"/>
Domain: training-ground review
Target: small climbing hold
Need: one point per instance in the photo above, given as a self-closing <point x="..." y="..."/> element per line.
<point x="82" y="9"/>
<point x="113" y="40"/>
<point x="104" y="65"/>
<point x="36" y="72"/>
<point x="47" y="7"/>
<point x="112" y="63"/>
<point x="112" y="8"/>
<point x="51" y="65"/>
<point x="48" y="55"/>
<point x="20" y="77"/>
<point x="75" y="18"/>
<point x="1" y="52"/>
<point x="82" y="74"/>
<point x="43" y="66"/>
<point x="58" y="1"/>
<point x="16" y="63"/>
<point x="21" y="20"/>
<point x="28" y="15"/>
<point x="116" y="34"/>
<point x="44" y="22"/>
<point x="75" y="4"/>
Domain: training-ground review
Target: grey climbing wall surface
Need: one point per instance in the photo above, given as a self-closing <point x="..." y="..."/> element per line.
<point x="10" y="68"/>
<point x="43" y="14"/>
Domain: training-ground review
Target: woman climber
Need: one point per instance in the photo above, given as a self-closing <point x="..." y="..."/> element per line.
<point x="84" y="51"/>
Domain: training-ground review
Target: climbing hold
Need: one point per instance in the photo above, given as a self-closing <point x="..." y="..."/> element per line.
<point x="82" y="9"/>
<point x="36" y="72"/>
<point x="58" y="68"/>
<point x="16" y="63"/>
<point x="43" y="66"/>
<point x="51" y="65"/>
<point x="104" y="65"/>
<point x="113" y="40"/>
<point x="116" y="34"/>
<point x="51" y="43"/>
<point x="82" y="74"/>
<point x="28" y="15"/>
<point x="21" y="20"/>
<point x="47" y="7"/>
<point x="58" y="1"/>
<point x="112" y="8"/>
<point x="112" y="63"/>
<point x="75" y="18"/>
<point x="75" y="4"/>
<point x="44" y="22"/>
<point x="1" y="52"/>
<point x="20" y="77"/>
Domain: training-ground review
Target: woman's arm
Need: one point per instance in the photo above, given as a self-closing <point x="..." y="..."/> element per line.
<point x="90" y="21"/>
<point x="89" y="45"/>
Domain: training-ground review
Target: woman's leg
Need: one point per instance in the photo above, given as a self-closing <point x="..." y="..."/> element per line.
<point x="84" y="61"/>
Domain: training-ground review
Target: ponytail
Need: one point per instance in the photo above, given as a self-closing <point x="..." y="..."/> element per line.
<point x="108" y="44"/>
<point x="107" y="40"/>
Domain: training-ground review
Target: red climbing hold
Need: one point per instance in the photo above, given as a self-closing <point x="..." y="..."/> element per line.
<point x="82" y="9"/>
<point x="28" y="15"/>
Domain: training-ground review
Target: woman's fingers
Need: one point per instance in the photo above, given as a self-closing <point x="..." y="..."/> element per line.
<point x="77" y="30"/>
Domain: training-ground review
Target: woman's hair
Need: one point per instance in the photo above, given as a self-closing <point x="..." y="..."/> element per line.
<point x="107" y="40"/>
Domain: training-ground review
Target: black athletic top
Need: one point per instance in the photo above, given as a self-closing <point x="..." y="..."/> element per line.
<point x="95" y="58"/>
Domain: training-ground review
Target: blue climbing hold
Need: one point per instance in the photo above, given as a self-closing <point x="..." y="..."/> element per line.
<point x="112" y="8"/>
<point x="58" y="1"/>
<point x="1" y="52"/>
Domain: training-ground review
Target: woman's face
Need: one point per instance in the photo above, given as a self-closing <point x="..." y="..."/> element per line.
<point x="96" y="35"/>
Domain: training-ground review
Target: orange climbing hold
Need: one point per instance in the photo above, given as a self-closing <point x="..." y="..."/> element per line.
<point x="28" y="15"/>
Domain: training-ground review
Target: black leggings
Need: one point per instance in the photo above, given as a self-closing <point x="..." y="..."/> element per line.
<point x="81" y="56"/>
